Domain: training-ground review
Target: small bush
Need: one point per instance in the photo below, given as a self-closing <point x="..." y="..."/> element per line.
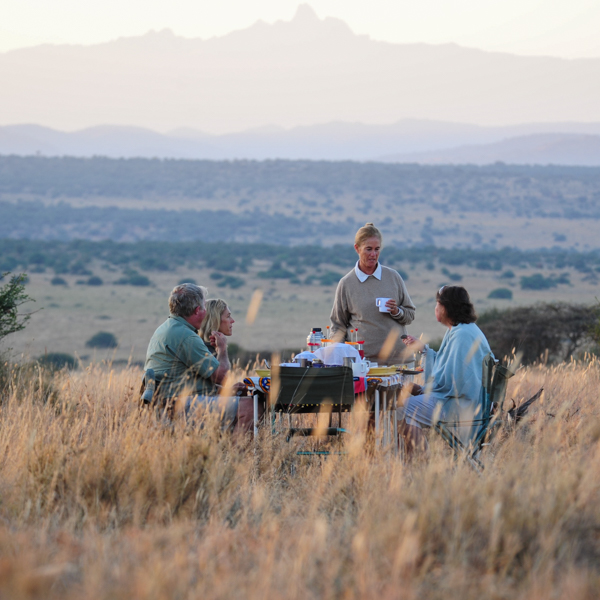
<point x="329" y="278"/>
<point x="188" y="280"/>
<point x="132" y="277"/>
<point x="58" y="360"/>
<point x="139" y="280"/>
<point x="508" y="275"/>
<point x="102" y="339"/>
<point x="452" y="276"/>
<point x="537" y="282"/>
<point x="276" y="272"/>
<point x="486" y="265"/>
<point x="559" y="329"/>
<point x="501" y="294"/>
<point x="95" y="280"/>
<point x="58" y="281"/>
<point x="233" y="282"/>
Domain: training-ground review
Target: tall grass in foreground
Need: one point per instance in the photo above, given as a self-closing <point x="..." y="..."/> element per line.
<point x="101" y="500"/>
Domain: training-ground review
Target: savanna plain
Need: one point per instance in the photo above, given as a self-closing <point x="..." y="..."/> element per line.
<point x="102" y="499"/>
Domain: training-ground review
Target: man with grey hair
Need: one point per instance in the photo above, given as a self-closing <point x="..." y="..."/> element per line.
<point x="179" y="357"/>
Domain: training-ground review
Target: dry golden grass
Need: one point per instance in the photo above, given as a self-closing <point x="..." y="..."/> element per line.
<point x="101" y="500"/>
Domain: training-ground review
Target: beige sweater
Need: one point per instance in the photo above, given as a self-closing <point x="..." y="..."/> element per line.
<point x="354" y="307"/>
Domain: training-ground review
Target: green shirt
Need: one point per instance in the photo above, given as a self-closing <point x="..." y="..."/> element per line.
<point x="180" y="359"/>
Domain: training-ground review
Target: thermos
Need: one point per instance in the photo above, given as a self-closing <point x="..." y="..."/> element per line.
<point x="313" y="340"/>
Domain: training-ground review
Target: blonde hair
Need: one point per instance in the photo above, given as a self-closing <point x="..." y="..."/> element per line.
<point x="212" y="320"/>
<point x="364" y="233"/>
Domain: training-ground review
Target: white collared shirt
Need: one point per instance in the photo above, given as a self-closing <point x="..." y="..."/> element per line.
<point x="362" y="277"/>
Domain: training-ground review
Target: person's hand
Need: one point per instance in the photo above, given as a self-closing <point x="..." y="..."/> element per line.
<point x="392" y="306"/>
<point x="218" y="340"/>
<point x="413" y="343"/>
<point x="416" y="390"/>
<point x="239" y="389"/>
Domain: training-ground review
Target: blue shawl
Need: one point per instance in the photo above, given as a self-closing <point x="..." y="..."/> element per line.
<point x="453" y="373"/>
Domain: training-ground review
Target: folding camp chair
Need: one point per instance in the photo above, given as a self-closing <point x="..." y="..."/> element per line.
<point x="318" y="391"/>
<point x="485" y="424"/>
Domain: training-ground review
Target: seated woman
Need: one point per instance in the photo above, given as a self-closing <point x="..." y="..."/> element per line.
<point x="218" y="318"/>
<point x="452" y="374"/>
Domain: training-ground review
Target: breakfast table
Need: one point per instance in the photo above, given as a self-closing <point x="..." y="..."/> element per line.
<point x="386" y="384"/>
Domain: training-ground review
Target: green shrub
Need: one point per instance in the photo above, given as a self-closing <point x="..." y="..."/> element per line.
<point x="58" y="360"/>
<point x="132" y="277"/>
<point x="452" y="276"/>
<point x="508" y="275"/>
<point x="190" y="280"/>
<point x="486" y="265"/>
<point x="501" y="294"/>
<point x="559" y="329"/>
<point x="537" y="282"/>
<point x="12" y="295"/>
<point x="329" y="278"/>
<point x="231" y="281"/>
<point x="102" y="339"/>
<point x="58" y="281"/>
<point x="139" y="280"/>
<point x="95" y="280"/>
<point x="276" y="272"/>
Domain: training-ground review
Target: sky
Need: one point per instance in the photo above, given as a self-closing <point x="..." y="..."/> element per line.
<point x="565" y="28"/>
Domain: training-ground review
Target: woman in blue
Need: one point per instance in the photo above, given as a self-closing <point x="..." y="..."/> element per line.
<point x="453" y="390"/>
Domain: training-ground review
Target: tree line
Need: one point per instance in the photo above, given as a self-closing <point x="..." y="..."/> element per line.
<point x="552" y="191"/>
<point x="75" y="257"/>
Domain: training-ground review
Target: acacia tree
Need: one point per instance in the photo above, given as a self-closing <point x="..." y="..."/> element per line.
<point x="12" y="296"/>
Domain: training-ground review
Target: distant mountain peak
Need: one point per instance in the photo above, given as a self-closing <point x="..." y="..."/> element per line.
<point x="305" y="13"/>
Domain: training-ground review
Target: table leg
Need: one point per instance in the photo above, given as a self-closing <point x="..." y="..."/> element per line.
<point x="255" y="397"/>
<point x="377" y="416"/>
<point x="385" y="419"/>
<point x="395" y="408"/>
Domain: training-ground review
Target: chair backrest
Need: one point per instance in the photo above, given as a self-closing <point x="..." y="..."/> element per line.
<point x="494" y="379"/>
<point x="313" y="390"/>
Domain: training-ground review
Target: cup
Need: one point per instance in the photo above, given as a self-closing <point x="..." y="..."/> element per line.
<point x="360" y="369"/>
<point x="380" y="303"/>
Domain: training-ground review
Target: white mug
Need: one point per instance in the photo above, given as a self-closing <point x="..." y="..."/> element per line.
<point x="360" y="369"/>
<point x="380" y="303"/>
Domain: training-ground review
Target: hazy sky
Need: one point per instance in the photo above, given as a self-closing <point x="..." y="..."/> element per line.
<point x="567" y="28"/>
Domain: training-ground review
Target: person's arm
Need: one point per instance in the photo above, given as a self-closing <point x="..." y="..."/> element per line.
<point x="340" y="316"/>
<point x="417" y="345"/>
<point x="219" y="341"/>
<point x="402" y="310"/>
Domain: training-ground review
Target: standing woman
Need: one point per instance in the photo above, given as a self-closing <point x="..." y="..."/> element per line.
<point x="354" y="306"/>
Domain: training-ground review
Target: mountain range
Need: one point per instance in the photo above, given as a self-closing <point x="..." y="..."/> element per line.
<point x="289" y="74"/>
<point x="410" y="141"/>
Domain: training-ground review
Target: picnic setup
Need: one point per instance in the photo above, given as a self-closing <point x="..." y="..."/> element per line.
<point x="364" y="361"/>
<point x="344" y="381"/>
<point x="347" y="382"/>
